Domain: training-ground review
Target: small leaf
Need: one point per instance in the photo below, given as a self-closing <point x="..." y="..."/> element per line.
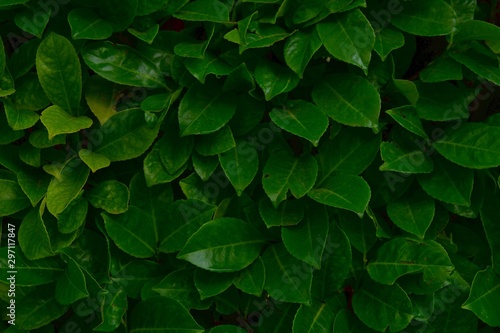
<point x="174" y="150"/>
<point x="211" y="284"/>
<point x="314" y="318"/>
<point x="301" y="118"/>
<point x="346" y="192"/>
<point x="404" y="160"/>
<point x="388" y="40"/>
<point x="109" y="195"/>
<point x="215" y="143"/>
<point x="113" y="304"/>
<point x="57" y="121"/>
<point x="85" y="24"/>
<point x="251" y="279"/>
<point x="274" y="79"/>
<point x="240" y="165"/>
<point x="101" y="96"/>
<point x="33" y="237"/>
<point x="284" y="172"/>
<point x="12" y="198"/>
<point x="93" y="160"/>
<point x="288" y="213"/>
<point x="407" y="117"/>
<point x="412" y="213"/>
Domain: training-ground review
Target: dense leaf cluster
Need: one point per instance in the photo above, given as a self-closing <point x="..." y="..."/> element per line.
<point x="251" y="165"/>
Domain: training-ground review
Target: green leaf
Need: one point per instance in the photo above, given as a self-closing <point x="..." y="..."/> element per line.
<point x="113" y="304"/>
<point x="33" y="19"/>
<point x="264" y="35"/>
<point x="251" y="279"/>
<point x="489" y="211"/>
<point x="33" y="237"/>
<point x="426" y="18"/>
<point x="195" y="49"/>
<point x="185" y="218"/>
<point x="240" y="165"/>
<point x="210" y="64"/>
<point x="387" y="40"/>
<point x="12" y="2"/>
<point x="71" y="286"/>
<point x="476" y="30"/>
<point x="122" y="64"/>
<point x="412" y="213"/>
<point x="205" y="109"/>
<point x="59" y="72"/>
<point x="442" y="69"/>
<point x="223" y="245"/>
<point x="484" y="298"/>
<point x="349" y="37"/>
<point x="204" y="10"/>
<point x="133" y="232"/>
<point x="404" y="160"/>
<point x="485" y="66"/>
<point x="472" y="145"/>
<point x="448" y="182"/>
<point x="73" y="217"/>
<point x="174" y="150"/>
<point x="350" y="152"/>
<point x="19" y="119"/>
<point x="147" y="35"/>
<point x="180" y="286"/>
<point x="407" y="117"/>
<point x="345" y="192"/>
<point x="86" y="24"/>
<point x="120" y="13"/>
<point x="38" y="310"/>
<point x="30" y="272"/>
<point x="135" y="274"/>
<point x="111" y="196"/>
<point x="299" y="50"/>
<point x="93" y="160"/>
<point x="57" y="121"/>
<point x="360" y="231"/>
<point x="215" y="143"/>
<point x="156" y="313"/>
<point x="283" y="171"/>
<point x="288" y="279"/>
<point x="211" y="284"/>
<point x="204" y="165"/>
<point x="317" y="317"/>
<point x="274" y="79"/>
<point x="401" y="256"/>
<point x="154" y="169"/>
<point x="288" y="213"/>
<point x="442" y="102"/>
<point x="125" y="136"/>
<point x="335" y="264"/>
<point x="381" y="307"/>
<point x="101" y="97"/>
<point x="66" y="188"/>
<point x="12" y="197"/>
<point x="301" y="118"/>
<point x="348" y="99"/>
<point x="306" y="240"/>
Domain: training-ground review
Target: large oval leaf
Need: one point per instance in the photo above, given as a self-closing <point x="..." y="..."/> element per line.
<point x="484" y="298"/>
<point x="348" y="99"/>
<point x="59" y="72"/>
<point x="223" y="245"/>
<point x="122" y="64"/>
<point x="472" y="145"/>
